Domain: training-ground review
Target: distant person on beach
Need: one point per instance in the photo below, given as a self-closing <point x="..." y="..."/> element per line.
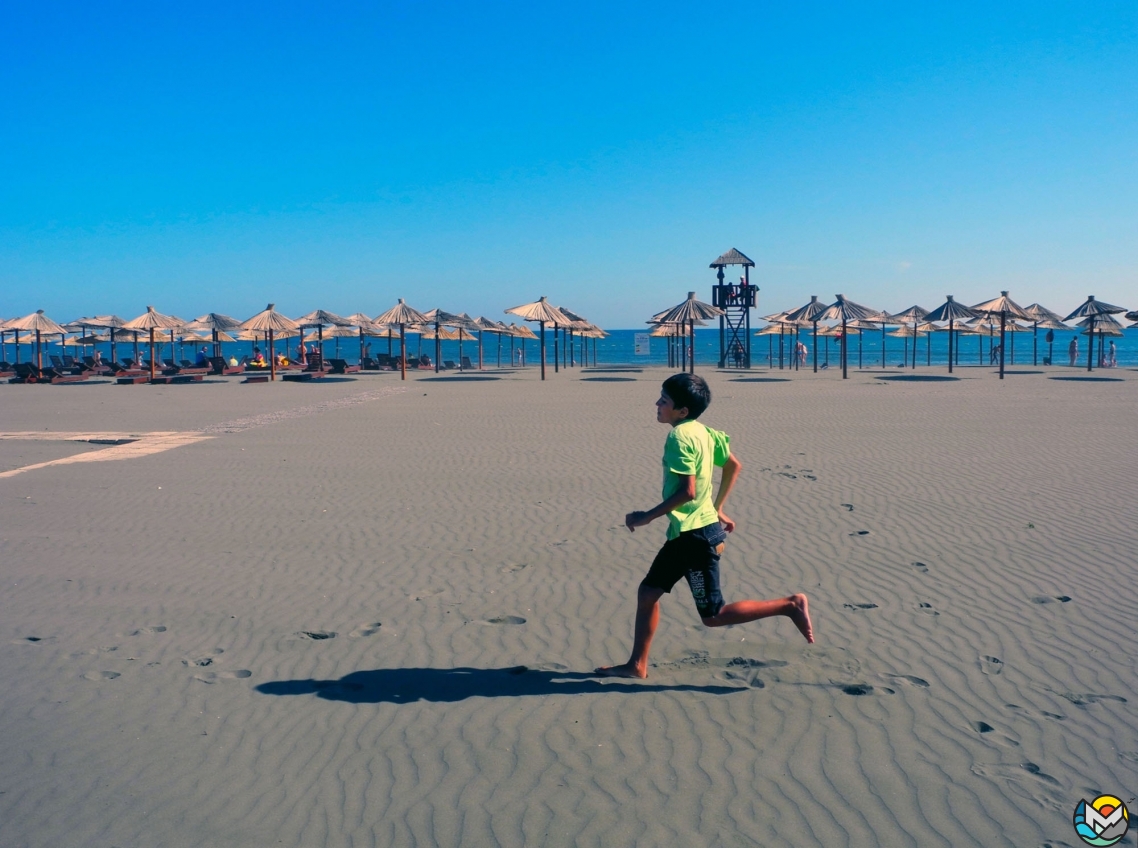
<point x="994" y="357"/>
<point x="302" y="355"/>
<point x="258" y="360"/>
<point x="697" y="527"/>
<point x="1073" y="351"/>
<point x="203" y="357"/>
<point x="801" y="350"/>
<point x="98" y="357"/>
<point x="1112" y="356"/>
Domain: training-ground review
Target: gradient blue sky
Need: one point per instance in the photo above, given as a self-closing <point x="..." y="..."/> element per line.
<point x="473" y="156"/>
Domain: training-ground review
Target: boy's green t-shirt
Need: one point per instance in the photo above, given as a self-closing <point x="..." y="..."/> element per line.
<point x="693" y="450"/>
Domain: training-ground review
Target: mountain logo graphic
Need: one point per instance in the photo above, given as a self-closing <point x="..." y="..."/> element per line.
<point x="1103" y="821"/>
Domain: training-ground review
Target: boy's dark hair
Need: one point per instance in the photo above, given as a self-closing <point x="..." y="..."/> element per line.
<point x="688" y="390"/>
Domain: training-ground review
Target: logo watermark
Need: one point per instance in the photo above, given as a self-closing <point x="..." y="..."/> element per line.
<point x="1103" y="821"/>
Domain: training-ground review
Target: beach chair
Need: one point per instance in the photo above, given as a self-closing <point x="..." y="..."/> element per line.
<point x="449" y="365"/>
<point x="466" y="366"/>
<point x="341" y="366"/>
<point x="223" y="368"/>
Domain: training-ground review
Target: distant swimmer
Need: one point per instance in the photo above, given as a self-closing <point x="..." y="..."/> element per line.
<point x="697" y="527"/>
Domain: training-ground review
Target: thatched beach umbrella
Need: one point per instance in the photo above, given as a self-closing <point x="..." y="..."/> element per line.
<point x="215" y="324"/>
<point x="320" y="319"/>
<point x="811" y="312"/>
<point x="272" y="322"/>
<point x="1093" y="309"/>
<point x="1038" y="315"/>
<point x="440" y="319"/>
<point x="111" y="323"/>
<point x="913" y="315"/>
<point x="845" y="311"/>
<point x="950" y="311"/>
<point x="402" y="314"/>
<point x="1006" y="308"/>
<point x="687" y="313"/>
<point x="543" y="312"/>
<point x="38" y="323"/>
<point x="151" y="321"/>
<point x="1104" y="325"/>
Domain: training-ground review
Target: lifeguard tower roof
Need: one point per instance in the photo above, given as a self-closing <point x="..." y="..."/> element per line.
<point x="731" y="257"/>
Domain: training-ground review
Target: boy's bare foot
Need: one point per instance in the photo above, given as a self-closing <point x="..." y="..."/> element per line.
<point x="626" y="670"/>
<point x="801" y="616"/>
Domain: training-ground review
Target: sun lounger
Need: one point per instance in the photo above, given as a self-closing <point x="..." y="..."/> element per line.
<point x="466" y="366"/>
<point x="341" y="366"/>
<point x="449" y="364"/>
<point x="62" y="368"/>
<point x="223" y="368"/>
<point x="26" y="372"/>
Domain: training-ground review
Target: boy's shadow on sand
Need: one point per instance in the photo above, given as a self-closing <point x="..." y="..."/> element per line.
<point x="447" y="685"/>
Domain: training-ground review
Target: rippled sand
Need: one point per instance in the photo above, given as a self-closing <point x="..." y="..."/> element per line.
<point x="364" y="612"/>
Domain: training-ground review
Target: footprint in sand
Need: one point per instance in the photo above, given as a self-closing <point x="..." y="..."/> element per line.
<point x="1050" y="599"/>
<point x="753" y="681"/>
<point x="205" y="659"/>
<point x="909" y="679"/>
<point x="215" y="676"/>
<point x="991" y="665"/>
<point x="983" y="728"/>
<point x="34" y="640"/>
<point x="860" y="533"/>
<point x="101" y="675"/>
<point x="510" y="569"/>
<point x="365" y="630"/>
<point x="787" y="475"/>
<point x="927" y="608"/>
<point x="1016" y="708"/>
<point x="865" y="689"/>
<point x="1026" y="780"/>
<point x="316" y="635"/>
<point x="847" y="507"/>
<point x="1087" y="699"/>
<point x="143" y="631"/>
<point x="856" y="607"/>
<point x="921" y="567"/>
<point x="505" y="619"/>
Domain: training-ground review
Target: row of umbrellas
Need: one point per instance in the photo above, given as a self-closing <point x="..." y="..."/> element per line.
<point x="992" y="316"/>
<point x="436" y="324"/>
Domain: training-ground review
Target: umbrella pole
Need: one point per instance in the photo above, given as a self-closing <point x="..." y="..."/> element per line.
<point x="17" y="347"/>
<point x="402" y="350"/>
<point x="542" y="349"/>
<point x="479" y="350"/>
<point x="556" y="349"/>
<point x="273" y="357"/>
<point x="929" y="349"/>
<point x="499" y="335"/>
<point x="949" y="345"/>
<point x="815" y="345"/>
<point x="1090" y="342"/>
<point x="438" y="347"/>
<point x="1035" y="343"/>
<point x="691" y="337"/>
<point x="1013" y="350"/>
<point x="1003" y="318"/>
<point x="39" y="350"/>
<point x="859" y="365"/>
<point x="152" y="354"/>
<point x="845" y="375"/>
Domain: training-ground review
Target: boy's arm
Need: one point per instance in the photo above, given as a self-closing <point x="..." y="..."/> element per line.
<point x="731" y="469"/>
<point x="685" y="493"/>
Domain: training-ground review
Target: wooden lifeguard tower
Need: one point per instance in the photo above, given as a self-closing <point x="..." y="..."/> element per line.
<point x="736" y="300"/>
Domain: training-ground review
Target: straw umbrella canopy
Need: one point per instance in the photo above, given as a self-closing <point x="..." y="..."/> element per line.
<point x="811" y="312"/>
<point x="320" y="319"/>
<point x="272" y="322"/>
<point x="402" y="314"/>
<point x="1006" y="308"/>
<point x="441" y="318"/>
<point x="543" y="312"/>
<point x="688" y="312"/>
<point x="363" y="324"/>
<point x="950" y="311"/>
<point x="485" y="325"/>
<point x="38" y="323"/>
<point x="845" y="311"/>
<point x="1093" y="309"/>
<point x="151" y="321"/>
<point x="1104" y="325"/>
<point x="1132" y="316"/>
<point x="112" y="323"/>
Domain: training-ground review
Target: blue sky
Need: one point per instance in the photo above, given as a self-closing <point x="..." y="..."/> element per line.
<point x="473" y="156"/>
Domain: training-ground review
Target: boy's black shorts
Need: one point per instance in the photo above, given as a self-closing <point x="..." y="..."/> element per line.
<point x="693" y="555"/>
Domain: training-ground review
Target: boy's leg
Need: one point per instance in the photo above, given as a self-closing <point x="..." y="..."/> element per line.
<point x="795" y="607"/>
<point x="647" y="619"/>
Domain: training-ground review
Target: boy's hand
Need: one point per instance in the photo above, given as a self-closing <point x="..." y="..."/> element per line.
<point x="727" y="523"/>
<point x="636" y="519"/>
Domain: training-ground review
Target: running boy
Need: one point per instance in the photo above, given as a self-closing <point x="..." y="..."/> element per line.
<point x="697" y="527"/>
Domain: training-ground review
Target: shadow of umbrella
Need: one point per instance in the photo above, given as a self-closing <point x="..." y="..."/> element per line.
<point x="1092" y="309"/>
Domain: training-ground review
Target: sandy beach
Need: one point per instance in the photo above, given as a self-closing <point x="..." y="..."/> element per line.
<point x="365" y="612"/>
